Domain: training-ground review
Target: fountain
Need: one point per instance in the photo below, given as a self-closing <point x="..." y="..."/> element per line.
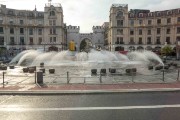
<point x="82" y="62"/>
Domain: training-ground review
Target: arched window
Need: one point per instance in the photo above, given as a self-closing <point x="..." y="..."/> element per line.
<point x="150" y="14"/>
<point x="140" y="14"/>
<point x="52" y="13"/>
<point x="119" y="13"/>
<point x="131" y="15"/>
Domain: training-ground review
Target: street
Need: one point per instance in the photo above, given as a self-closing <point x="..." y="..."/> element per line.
<point x="114" y="106"/>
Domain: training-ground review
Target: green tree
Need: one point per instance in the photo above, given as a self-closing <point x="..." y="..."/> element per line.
<point x="167" y="50"/>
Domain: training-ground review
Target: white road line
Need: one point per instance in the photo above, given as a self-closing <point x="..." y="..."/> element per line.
<point x="21" y="108"/>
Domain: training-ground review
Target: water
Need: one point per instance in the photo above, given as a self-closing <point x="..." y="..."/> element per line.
<point x="86" y="61"/>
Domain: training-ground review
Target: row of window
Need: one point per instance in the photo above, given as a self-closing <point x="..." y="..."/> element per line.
<point x="157" y="14"/>
<point x="40" y="22"/>
<point x="29" y="14"/>
<point x="52" y="31"/>
<point x="149" y="32"/>
<point x="149" y="22"/>
<point x="149" y="40"/>
<point x="22" y="40"/>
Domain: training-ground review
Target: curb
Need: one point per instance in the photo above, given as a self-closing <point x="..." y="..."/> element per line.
<point x="59" y="92"/>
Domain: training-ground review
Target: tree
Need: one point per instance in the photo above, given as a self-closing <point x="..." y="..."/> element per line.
<point x="167" y="50"/>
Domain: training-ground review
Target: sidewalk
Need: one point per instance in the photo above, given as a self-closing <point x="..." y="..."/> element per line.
<point x="83" y="88"/>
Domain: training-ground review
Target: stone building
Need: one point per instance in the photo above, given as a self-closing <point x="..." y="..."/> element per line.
<point x="96" y="38"/>
<point x="142" y="29"/>
<point x="22" y="29"/>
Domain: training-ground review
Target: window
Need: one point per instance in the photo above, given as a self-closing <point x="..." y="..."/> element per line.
<point x="168" y="20"/>
<point x="21" y="30"/>
<point x="22" y="41"/>
<point x="120" y="31"/>
<point x="121" y="40"/>
<point x="52" y="30"/>
<point x="21" y="21"/>
<point x="132" y="40"/>
<point x="149" y="22"/>
<point x="1" y="40"/>
<point x="1" y="20"/>
<point x="1" y="30"/>
<point x="119" y="22"/>
<point x="158" y="21"/>
<point x="158" y="30"/>
<point x="50" y="22"/>
<point x="39" y="31"/>
<point x="54" y="22"/>
<point x="30" y="31"/>
<point x="31" y="40"/>
<point x="52" y="13"/>
<point x="158" y="40"/>
<point x="149" y="32"/>
<point x="11" y="30"/>
<point x="178" y="19"/>
<point x="51" y="39"/>
<point x="119" y="13"/>
<point x="11" y="21"/>
<point x="54" y="39"/>
<point x="168" y="40"/>
<point x="117" y="41"/>
<point x="140" y="40"/>
<point x="178" y="30"/>
<point x="140" y="14"/>
<point x="158" y="14"/>
<point x="40" y="40"/>
<point x="131" y="32"/>
<point x="149" y="40"/>
<point x="168" y="31"/>
<point x="132" y="22"/>
<point x="12" y="41"/>
<point x="140" y="22"/>
<point x="140" y="31"/>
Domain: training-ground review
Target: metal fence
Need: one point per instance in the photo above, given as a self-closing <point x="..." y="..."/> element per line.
<point x="67" y="77"/>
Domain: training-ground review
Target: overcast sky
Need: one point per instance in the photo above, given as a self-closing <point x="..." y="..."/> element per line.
<point x="88" y="13"/>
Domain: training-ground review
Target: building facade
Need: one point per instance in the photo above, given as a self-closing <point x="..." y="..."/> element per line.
<point x="142" y="29"/>
<point x="21" y="29"/>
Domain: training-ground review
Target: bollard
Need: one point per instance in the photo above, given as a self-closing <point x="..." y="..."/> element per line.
<point x="67" y="77"/>
<point x="3" y="79"/>
<point x="178" y="76"/>
<point x="163" y="75"/>
<point x="100" y="78"/>
<point x="35" y="77"/>
<point x="39" y="77"/>
<point x="132" y="74"/>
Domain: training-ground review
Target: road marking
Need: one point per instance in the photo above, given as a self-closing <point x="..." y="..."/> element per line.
<point x="21" y="108"/>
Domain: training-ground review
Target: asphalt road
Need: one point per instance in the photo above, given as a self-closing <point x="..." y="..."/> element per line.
<point x="117" y="106"/>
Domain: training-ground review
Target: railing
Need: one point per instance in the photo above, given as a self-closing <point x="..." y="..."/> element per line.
<point x="118" y="77"/>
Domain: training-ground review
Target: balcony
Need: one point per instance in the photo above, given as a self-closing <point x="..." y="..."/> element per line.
<point x="131" y="43"/>
<point x="12" y="43"/>
<point x="140" y="43"/>
<point x="31" y="43"/>
<point x="121" y="42"/>
<point x="149" y="43"/>
<point x="158" y="43"/>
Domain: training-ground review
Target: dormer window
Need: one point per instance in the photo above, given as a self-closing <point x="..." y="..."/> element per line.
<point x="131" y="15"/>
<point x="150" y="14"/>
<point x="140" y="14"/>
<point x="169" y="12"/>
<point x="52" y="13"/>
<point x="158" y="14"/>
<point x="10" y="12"/>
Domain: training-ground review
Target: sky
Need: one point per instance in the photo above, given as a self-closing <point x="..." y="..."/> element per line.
<point x="89" y="13"/>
